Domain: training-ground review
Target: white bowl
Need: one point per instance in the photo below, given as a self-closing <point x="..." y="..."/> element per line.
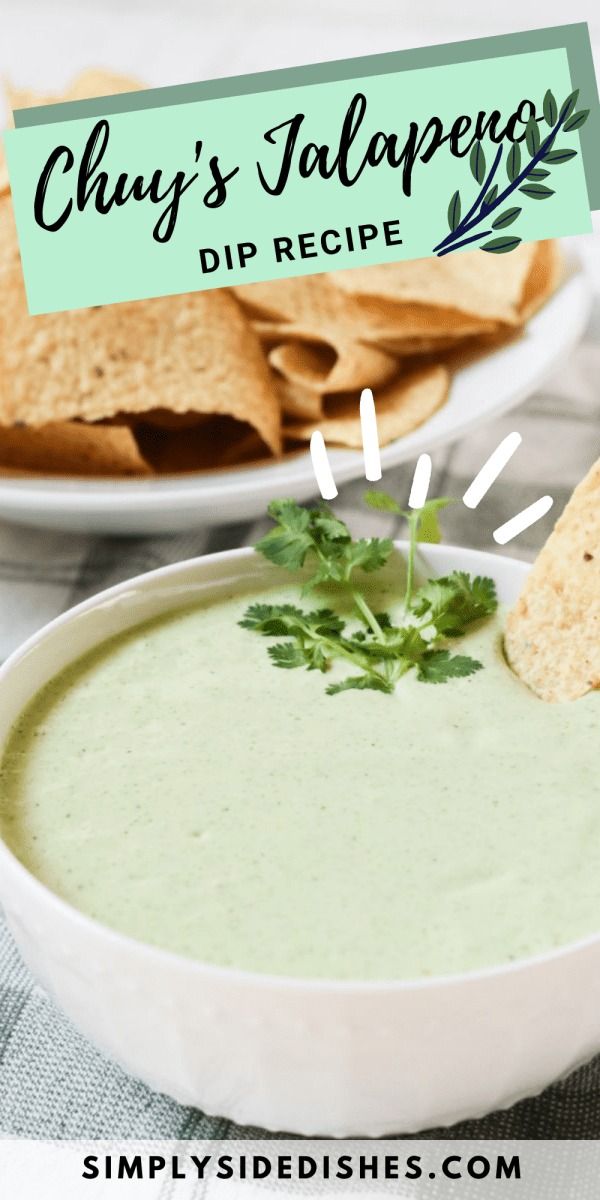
<point x="309" y="1057"/>
<point x="479" y="392"/>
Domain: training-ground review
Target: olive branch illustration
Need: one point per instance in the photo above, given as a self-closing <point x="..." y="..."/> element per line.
<point x="525" y="179"/>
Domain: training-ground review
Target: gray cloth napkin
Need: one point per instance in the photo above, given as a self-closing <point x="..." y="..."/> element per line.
<point x="53" y="1084"/>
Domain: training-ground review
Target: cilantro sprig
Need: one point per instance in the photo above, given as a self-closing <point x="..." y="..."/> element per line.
<point x="379" y="650"/>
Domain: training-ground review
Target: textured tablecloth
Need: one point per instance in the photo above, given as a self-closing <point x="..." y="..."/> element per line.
<point x="52" y="1083"/>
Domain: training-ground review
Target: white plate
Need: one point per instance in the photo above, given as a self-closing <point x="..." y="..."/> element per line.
<point x="479" y="392"/>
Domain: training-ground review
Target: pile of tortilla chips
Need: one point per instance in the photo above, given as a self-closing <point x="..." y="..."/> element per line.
<point x="219" y="378"/>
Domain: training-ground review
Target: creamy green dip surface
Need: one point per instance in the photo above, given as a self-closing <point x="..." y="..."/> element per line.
<point x="176" y="786"/>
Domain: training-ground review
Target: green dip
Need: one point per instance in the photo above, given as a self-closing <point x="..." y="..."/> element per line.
<point x="176" y="786"/>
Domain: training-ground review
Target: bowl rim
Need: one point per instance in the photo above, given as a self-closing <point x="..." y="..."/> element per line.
<point x="238" y="975"/>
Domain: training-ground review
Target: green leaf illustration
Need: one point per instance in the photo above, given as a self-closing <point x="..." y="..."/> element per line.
<point x="536" y="191"/>
<point x="568" y="105"/>
<point x="501" y="245"/>
<point x="550" y="109"/>
<point x="454" y="209"/>
<point x="577" y="120"/>
<point x="506" y="218"/>
<point x="556" y="157"/>
<point x="513" y="162"/>
<point x="477" y="162"/>
<point x="540" y="156"/>
<point x="532" y="136"/>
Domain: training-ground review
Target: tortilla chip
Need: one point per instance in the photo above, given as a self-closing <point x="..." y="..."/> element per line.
<point x="285" y="301"/>
<point x="459" y="353"/>
<point x="487" y="287"/>
<point x="401" y="407"/>
<point x="162" y="418"/>
<point x="313" y="306"/>
<point x="437" y="342"/>
<point x="297" y="402"/>
<point x="316" y="334"/>
<point x="324" y="368"/>
<point x="192" y="353"/>
<point x="553" y="633"/>
<point x="243" y="450"/>
<point x="72" y="448"/>
<point x="86" y="86"/>
<point x="543" y="279"/>
<point x="399" y="328"/>
<point x="216" y="442"/>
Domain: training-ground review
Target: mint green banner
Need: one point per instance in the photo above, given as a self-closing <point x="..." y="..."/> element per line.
<point x="481" y="144"/>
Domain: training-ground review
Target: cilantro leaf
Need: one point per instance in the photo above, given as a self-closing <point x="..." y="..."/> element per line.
<point x="434" y="599"/>
<point x="481" y="591"/>
<point x="453" y="602"/>
<point x="327" y="527"/>
<point x="289" y="514"/>
<point x="287" y="654"/>
<point x="300" y="532"/>
<point x="369" y="553"/>
<point x="297" y="531"/>
<point x="325" y="622"/>
<point x="381" y="501"/>
<point x="285" y="547"/>
<point x="412" y="644"/>
<point x="270" y="618"/>
<point x="425" y="518"/>
<point x="439" y="665"/>
<point x="383" y="652"/>
<point x="383" y="620"/>
<point x="318" y="656"/>
<point x="428" y="529"/>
